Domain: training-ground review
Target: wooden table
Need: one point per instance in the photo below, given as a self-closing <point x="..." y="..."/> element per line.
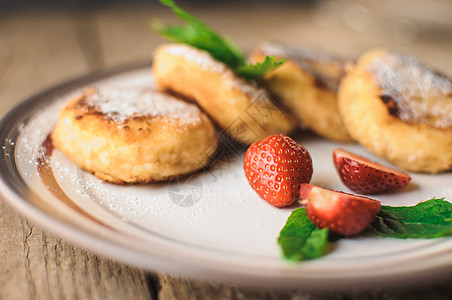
<point x="41" y="48"/>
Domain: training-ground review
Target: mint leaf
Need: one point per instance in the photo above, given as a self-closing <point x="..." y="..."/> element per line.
<point x="300" y="239"/>
<point x="198" y="34"/>
<point x="258" y="70"/>
<point x="434" y="211"/>
<point x="428" y="219"/>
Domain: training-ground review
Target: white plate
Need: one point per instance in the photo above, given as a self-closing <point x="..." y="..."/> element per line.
<point x="211" y="226"/>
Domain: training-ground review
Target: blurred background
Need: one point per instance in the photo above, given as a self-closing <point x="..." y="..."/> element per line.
<point x="45" y="38"/>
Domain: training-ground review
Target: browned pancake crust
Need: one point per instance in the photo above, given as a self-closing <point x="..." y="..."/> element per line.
<point x="400" y="110"/>
<point x="411" y="91"/>
<point x="162" y="137"/>
<point x="307" y="84"/>
<point x="244" y="111"/>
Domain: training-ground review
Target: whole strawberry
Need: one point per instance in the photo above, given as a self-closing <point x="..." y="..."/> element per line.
<point x="276" y="167"/>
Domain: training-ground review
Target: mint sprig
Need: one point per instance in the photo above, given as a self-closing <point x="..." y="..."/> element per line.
<point x="426" y="220"/>
<point x="252" y="71"/>
<point x="198" y="34"/>
<point x="301" y="240"/>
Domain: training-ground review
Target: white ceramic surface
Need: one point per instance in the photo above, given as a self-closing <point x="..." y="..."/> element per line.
<point x="209" y="226"/>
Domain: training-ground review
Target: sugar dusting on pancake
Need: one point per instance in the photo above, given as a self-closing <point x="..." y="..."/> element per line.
<point x="326" y="68"/>
<point x="121" y="104"/>
<point x="200" y="57"/>
<point x="412" y="91"/>
<point x="208" y="63"/>
<point x="134" y="135"/>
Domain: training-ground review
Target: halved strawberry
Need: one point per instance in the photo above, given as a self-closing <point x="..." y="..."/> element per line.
<point x="275" y="167"/>
<point x="366" y="177"/>
<point x="341" y="213"/>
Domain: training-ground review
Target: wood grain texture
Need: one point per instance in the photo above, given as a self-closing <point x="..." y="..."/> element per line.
<point x="44" y="49"/>
<point x="172" y="288"/>
<point x="38" y="266"/>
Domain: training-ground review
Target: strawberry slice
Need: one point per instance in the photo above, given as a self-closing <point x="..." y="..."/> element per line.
<point x="342" y="213"/>
<point x="366" y="177"/>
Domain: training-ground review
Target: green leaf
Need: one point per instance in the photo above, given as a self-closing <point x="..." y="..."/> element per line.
<point x="252" y="71"/>
<point x="428" y="219"/>
<point x="198" y="34"/>
<point x="300" y="239"/>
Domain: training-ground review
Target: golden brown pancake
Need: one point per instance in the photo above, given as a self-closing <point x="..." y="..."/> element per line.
<point x="242" y="109"/>
<point x="307" y="84"/>
<point x="130" y="135"/>
<point x="399" y="109"/>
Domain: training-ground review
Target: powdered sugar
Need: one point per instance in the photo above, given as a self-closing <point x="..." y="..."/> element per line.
<point x="206" y="62"/>
<point x="200" y="57"/>
<point x="420" y="94"/>
<point x="279" y="49"/>
<point x="326" y="68"/>
<point x="120" y="104"/>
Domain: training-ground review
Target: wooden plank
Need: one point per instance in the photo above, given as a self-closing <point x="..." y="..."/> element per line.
<point x="125" y="35"/>
<point x="44" y="49"/>
<point x="38" y="266"/>
<point x="178" y="288"/>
